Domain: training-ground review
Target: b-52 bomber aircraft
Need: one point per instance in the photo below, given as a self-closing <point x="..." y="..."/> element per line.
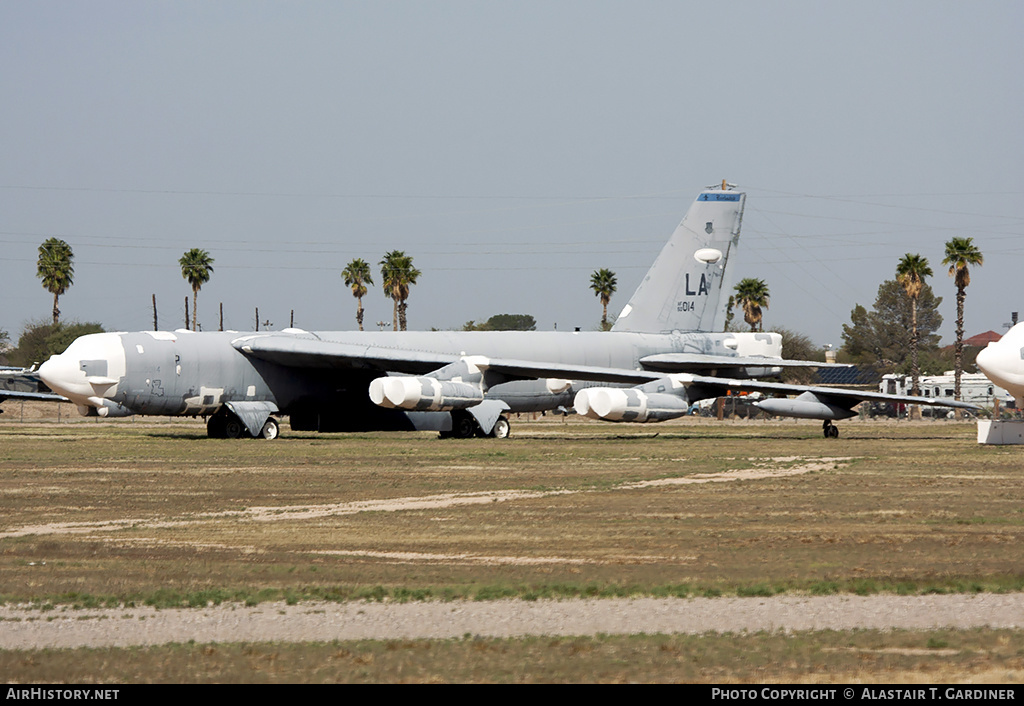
<point x="460" y="383"/>
<point x="23" y="384"/>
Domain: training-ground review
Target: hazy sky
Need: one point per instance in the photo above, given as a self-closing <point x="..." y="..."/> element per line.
<point x="511" y="148"/>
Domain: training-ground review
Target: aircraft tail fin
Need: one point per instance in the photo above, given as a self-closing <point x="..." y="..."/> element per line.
<point x="687" y="286"/>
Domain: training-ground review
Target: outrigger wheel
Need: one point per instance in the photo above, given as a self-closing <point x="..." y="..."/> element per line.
<point x="830" y="430"/>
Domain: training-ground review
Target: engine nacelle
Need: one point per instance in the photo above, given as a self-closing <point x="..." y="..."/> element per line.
<point x="806" y="406"/>
<point x="628" y="405"/>
<point x="424" y="394"/>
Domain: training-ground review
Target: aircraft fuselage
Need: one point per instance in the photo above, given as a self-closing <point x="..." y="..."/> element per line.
<point x="195" y="374"/>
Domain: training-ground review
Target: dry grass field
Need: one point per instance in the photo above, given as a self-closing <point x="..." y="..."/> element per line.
<point x="152" y="512"/>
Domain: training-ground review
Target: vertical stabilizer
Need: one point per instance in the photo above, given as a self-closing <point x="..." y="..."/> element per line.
<point x="686" y="288"/>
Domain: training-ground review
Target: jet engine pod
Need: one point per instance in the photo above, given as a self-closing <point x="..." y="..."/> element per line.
<point x="628" y="405"/>
<point x="806" y="406"/>
<point x="424" y="394"/>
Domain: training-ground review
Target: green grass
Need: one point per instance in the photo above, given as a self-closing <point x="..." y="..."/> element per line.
<point x="865" y="656"/>
<point x="165" y="598"/>
<point x="910" y="509"/>
<point x="890" y="507"/>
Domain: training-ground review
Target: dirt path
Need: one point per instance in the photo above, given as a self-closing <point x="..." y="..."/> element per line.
<point x="765" y="468"/>
<point x="22" y="628"/>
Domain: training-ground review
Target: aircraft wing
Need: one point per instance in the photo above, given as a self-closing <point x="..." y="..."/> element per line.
<point x="525" y="369"/>
<point x="24" y="384"/>
<point x="310" y="352"/>
<point x="670" y="397"/>
<point x="295" y="351"/>
<point x="693" y="362"/>
<point x="839" y="396"/>
<point x="21" y="395"/>
<point x="302" y="352"/>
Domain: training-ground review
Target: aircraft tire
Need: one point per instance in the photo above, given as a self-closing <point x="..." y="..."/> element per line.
<point x="215" y="427"/>
<point x="233" y="427"/>
<point x="502" y="428"/>
<point x="271" y="429"/>
<point x="833" y="432"/>
<point x="464" y="426"/>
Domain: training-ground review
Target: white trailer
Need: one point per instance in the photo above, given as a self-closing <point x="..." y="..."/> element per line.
<point x="975" y="388"/>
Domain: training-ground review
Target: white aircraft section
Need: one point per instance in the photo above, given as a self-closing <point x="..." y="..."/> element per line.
<point x="1003" y="363"/>
<point x="90" y="367"/>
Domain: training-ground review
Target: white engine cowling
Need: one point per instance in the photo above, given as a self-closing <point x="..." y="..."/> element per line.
<point x="628" y="405"/>
<point x="424" y="394"/>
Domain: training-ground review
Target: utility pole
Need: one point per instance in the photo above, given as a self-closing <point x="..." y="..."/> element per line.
<point x="257" y="318"/>
<point x="222" y="316"/>
<point x="291" y="324"/>
<point x="155" y="327"/>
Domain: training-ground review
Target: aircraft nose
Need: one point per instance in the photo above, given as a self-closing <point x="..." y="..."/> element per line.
<point x="89" y="368"/>
<point x="64" y="375"/>
<point x="985" y="359"/>
<point x="1001" y="364"/>
<point x="994" y="361"/>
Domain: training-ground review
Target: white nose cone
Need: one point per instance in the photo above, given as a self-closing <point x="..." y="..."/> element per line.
<point x="1003" y="366"/>
<point x="1003" y="361"/>
<point x="986" y="361"/>
<point x="64" y="375"/>
<point x="90" y="367"/>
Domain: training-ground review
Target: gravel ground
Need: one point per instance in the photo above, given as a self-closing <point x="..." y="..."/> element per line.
<point x="25" y="628"/>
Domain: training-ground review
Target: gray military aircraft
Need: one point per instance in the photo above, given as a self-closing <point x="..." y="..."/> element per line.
<point x="458" y="383"/>
<point x="24" y="384"/>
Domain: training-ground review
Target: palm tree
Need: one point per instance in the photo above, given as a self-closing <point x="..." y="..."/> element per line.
<point x="911" y="273"/>
<point x="729" y="306"/>
<point x="397" y="275"/>
<point x="357" y="275"/>
<point x="603" y="283"/>
<point x="54" y="268"/>
<point x="960" y="254"/>
<point x="196" y="267"/>
<point x="752" y="296"/>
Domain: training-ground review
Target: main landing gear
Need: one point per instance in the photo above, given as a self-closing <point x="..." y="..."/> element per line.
<point x="464" y="426"/>
<point x="830" y="430"/>
<point x="226" y="425"/>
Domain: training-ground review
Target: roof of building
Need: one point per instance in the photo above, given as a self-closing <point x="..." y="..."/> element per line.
<point x="983" y="339"/>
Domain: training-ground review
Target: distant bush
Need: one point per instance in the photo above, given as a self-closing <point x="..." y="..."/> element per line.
<point x="41" y="340"/>
<point x="503" y="322"/>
